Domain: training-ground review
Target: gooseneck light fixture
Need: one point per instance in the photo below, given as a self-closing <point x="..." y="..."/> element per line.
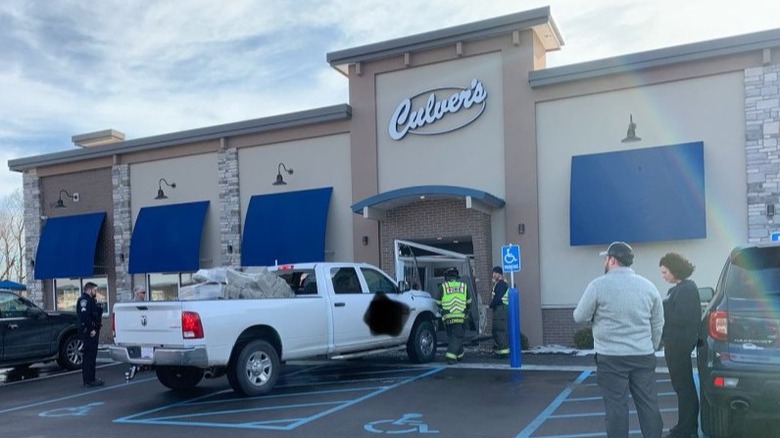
<point x="279" y="180"/>
<point x="160" y="193"/>
<point x="631" y="132"/>
<point x="60" y="203"/>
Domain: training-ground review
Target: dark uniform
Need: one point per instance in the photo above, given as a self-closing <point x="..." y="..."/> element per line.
<point x="499" y="305"/>
<point x="90" y="317"/>
<point x="454" y="301"/>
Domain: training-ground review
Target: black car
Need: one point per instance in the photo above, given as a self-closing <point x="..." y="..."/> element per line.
<point x="739" y="348"/>
<point x="29" y="334"/>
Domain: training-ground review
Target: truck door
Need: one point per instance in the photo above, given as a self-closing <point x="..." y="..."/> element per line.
<point x="350" y="302"/>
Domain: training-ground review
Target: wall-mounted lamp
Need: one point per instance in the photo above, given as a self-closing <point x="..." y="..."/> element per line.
<point x="279" y="180"/>
<point x="60" y="203"/>
<point x="631" y="133"/>
<point x="160" y="193"/>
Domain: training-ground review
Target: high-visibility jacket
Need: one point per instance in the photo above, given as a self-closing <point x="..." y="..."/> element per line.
<point x="454" y="299"/>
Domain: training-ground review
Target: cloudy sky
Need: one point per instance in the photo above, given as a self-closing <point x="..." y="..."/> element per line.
<point x="153" y="67"/>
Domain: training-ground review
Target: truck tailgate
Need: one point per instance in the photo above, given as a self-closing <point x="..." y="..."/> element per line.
<point x="139" y="323"/>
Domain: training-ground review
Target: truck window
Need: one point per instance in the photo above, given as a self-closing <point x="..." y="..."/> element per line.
<point x="378" y="282"/>
<point x="345" y="281"/>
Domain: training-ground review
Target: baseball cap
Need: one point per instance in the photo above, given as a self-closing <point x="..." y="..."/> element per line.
<point x="498" y="270"/>
<point x="621" y="251"/>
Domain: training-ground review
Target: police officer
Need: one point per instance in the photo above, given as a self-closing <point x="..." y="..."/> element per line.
<point x="454" y="300"/>
<point x="90" y="316"/>
<point x="499" y="305"/>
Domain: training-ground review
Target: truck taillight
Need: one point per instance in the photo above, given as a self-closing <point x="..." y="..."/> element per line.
<point x="191" y="328"/>
<point x="718" y="322"/>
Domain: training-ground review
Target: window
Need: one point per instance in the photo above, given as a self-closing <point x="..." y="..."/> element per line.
<point x="345" y="281"/>
<point x="165" y="286"/>
<point x="68" y="290"/>
<point x="12" y="306"/>
<point x="378" y="282"/>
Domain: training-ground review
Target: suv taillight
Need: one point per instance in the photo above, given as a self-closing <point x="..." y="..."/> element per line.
<point x="191" y="328"/>
<point x="718" y="323"/>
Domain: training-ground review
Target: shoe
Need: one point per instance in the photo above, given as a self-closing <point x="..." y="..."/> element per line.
<point x="451" y="361"/>
<point x="94" y="383"/>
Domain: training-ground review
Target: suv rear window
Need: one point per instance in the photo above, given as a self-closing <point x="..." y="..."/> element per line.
<point x="754" y="273"/>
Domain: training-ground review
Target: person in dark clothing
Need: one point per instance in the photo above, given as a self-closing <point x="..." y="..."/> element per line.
<point x="499" y="305"/>
<point x="682" y="313"/>
<point x="90" y="317"/>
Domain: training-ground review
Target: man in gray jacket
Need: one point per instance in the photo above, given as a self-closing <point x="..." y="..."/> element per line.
<point x="627" y="316"/>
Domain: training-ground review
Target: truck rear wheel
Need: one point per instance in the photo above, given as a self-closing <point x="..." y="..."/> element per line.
<point x="421" y="346"/>
<point x="179" y="378"/>
<point x="255" y="369"/>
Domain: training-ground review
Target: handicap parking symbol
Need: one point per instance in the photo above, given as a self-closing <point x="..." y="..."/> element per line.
<point x="70" y="412"/>
<point x="408" y="423"/>
<point x="510" y="258"/>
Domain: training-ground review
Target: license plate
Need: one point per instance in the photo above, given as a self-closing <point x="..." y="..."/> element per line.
<point x="147" y="352"/>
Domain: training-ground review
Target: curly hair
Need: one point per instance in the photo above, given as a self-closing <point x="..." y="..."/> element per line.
<point x="678" y="265"/>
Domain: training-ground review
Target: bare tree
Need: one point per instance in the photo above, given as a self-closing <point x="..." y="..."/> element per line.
<point x="12" y="237"/>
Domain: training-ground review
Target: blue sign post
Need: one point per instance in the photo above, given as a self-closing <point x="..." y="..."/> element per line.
<point x="510" y="261"/>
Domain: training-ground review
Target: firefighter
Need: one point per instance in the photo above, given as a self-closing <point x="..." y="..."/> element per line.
<point x="454" y="302"/>
<point x="499" y="304"/>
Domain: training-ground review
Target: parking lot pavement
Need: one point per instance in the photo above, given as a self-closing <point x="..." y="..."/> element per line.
<point x="550" y="396"/>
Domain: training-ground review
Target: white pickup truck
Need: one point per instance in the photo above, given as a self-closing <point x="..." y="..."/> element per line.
<point x="249" y="339"/>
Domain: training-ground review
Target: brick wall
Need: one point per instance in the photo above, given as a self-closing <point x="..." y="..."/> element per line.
<point x="446" y="218"/>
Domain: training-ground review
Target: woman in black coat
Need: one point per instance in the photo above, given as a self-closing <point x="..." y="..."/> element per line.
<point x="682" y="312"/>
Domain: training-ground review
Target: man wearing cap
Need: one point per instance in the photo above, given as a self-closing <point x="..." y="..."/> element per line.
<point x="499" y="304"/>
<point x="626" y="313"/>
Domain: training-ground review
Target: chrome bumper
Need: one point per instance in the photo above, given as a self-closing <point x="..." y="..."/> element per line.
<point x="194" y="357"/>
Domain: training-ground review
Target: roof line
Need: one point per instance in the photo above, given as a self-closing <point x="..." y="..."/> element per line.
<point x="436" y="38"/>
<point x="253" y="126"/>
<point x="655" y="58"/>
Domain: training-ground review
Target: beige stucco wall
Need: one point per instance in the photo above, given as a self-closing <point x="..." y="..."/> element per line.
<point x="708" y="109"/>
<point x="196" y="180"/>
<point x="468" y="157"/>
<point x="317" y="162"/>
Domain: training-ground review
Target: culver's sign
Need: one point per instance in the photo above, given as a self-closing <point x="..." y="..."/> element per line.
<point x="449" y="108"/>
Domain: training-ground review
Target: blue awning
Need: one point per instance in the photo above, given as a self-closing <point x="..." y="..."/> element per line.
<point x="407" y="195"/>
<point x="166" y="238"/>
<point x="67" y="246"/>
<point x="286" y="227"/>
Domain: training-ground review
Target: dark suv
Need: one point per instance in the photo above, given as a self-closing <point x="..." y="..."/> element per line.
<point x="739" y="351"/>
<point x="29" y="334"/>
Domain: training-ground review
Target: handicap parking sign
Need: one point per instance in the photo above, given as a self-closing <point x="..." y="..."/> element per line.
<point x="774" y="237"/>
<point x="510" y="258"/>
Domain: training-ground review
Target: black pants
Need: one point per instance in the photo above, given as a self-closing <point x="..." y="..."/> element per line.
<point x="500" y="334"/>
<point x="455" y="335"/>
<point x="678" y="358"/>
<point x="616" y="376"/>
<point x="90" y="358"/>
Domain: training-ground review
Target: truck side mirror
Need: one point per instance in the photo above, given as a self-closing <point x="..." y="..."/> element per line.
<point x="706" y="294"/>
<point x="403" y="286"/>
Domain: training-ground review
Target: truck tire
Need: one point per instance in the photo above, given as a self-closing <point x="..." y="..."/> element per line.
<point x="255" y="369"/>
<point x="715" y="421"/>
<point x="421" y="346"/>
<point x="71" y="352"/>
<point x="179" y="378"/>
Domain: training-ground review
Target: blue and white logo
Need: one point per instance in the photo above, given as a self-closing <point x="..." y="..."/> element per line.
<point x="510" y="258"/>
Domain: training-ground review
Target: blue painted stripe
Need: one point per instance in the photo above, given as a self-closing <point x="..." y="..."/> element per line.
<point x="531" y="428"/>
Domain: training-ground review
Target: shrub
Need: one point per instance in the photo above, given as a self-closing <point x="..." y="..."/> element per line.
<point x="583" y="339"/>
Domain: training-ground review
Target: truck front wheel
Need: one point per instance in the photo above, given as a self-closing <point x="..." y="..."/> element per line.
<point x="179" y="378"/>
<point x="255" y="369"/>
<point x="421" y="346"/>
